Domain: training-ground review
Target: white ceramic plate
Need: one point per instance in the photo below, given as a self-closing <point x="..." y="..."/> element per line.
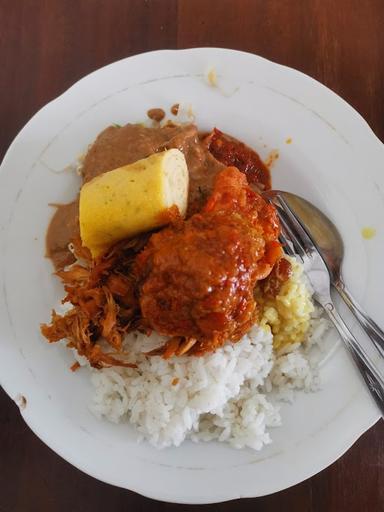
<point x="334" y="160"/>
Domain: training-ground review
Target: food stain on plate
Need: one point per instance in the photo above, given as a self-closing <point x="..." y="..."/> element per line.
<point x="227" y="86"/>
<point x="211" y="77"/>
<point x="368" y="232"/>
<point x="21" y="401"/>
<point x="156" y="114"/>
<point x="175" y="109"/>
<point x="288" y="140"/>
<point x="271" y="158"/>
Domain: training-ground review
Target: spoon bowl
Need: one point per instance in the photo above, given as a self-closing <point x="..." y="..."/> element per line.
<point x="322" y="230"/>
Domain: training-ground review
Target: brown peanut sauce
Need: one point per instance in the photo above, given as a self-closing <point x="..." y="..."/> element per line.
<point x="156" y="114"/>
<point x="63" y="228"/>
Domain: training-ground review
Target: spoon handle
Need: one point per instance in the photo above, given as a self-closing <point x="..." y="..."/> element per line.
<point x="368" y="369"/>
<point x="370" y="327"/>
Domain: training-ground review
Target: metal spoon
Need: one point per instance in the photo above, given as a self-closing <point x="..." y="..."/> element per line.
<point x="330" y="245"/>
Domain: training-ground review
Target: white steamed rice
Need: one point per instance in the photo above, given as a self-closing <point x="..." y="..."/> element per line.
<point x="221" y="396"/>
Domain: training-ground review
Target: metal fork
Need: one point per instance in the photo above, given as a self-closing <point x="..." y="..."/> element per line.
<point x="297" y="243"/>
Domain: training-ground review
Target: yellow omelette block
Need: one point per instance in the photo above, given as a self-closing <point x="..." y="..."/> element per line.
<point x="129" y="200"/>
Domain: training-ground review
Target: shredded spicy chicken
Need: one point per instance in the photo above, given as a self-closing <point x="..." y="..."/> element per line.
<point x="102" y="293"/>
<point x="197" y="278"/>
<point x="281" y="272"/>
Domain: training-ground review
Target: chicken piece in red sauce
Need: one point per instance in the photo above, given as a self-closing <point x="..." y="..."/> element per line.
<point x="197" y="277"/>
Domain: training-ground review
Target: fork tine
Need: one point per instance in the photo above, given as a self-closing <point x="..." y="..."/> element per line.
<point x="288" y="229"/>
<point x="287" y="244"/>
<point x="306" y="240"/>
<point x="290" y="235"/>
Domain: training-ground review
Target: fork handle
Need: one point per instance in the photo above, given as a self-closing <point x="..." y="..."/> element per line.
<point x="370" y="327"/>
<point x="373" y="377"/>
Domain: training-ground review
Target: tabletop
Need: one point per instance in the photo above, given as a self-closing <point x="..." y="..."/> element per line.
<point x="46" y="46"/>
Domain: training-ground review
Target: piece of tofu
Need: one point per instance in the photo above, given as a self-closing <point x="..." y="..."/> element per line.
<point x="130" y="200"/>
